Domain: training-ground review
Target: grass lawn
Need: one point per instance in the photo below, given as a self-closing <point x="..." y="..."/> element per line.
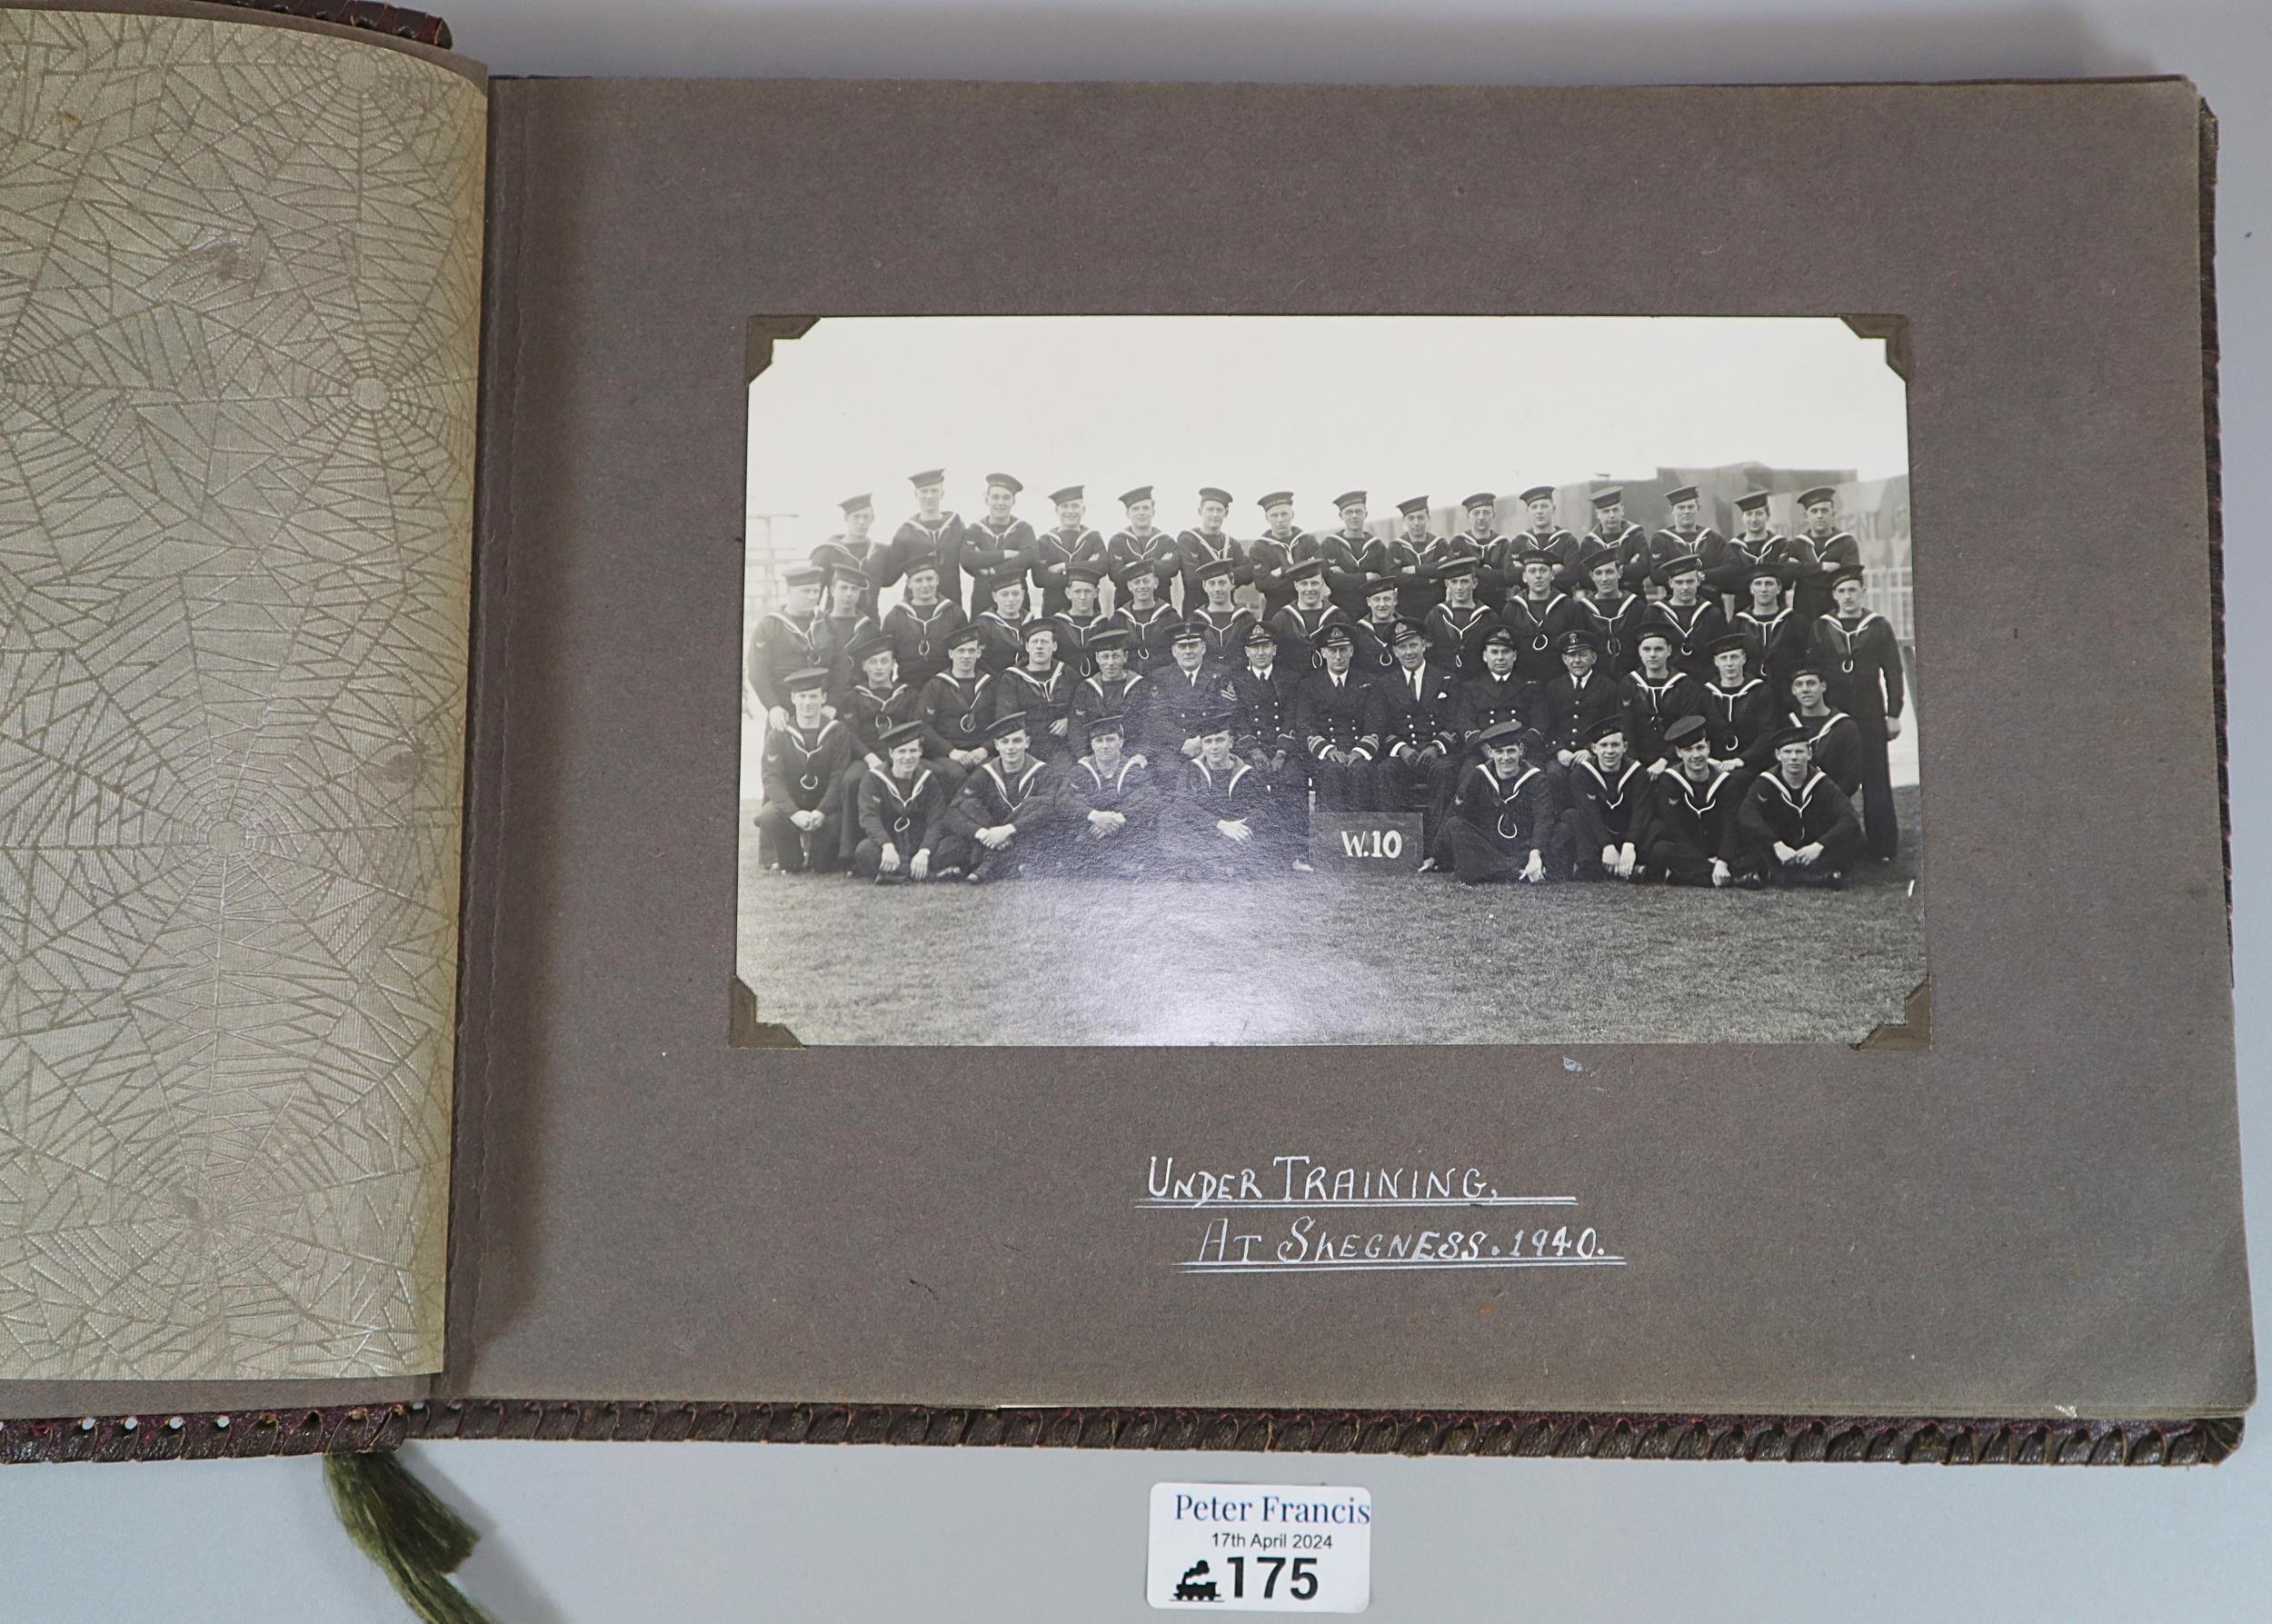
<point x="1319" y="959"/>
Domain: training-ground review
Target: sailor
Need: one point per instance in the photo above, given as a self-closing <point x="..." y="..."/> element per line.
<point x="1685" y="532"/>
<point x="1141" y="542"/>
<point x="1002" y="626"/>
<point x="1110" y="806"/>
<point x="1613" y="530"/>
<point x="1412" y="559"/>
<point x="1655" y="697"/>
<point x="1727" y="558"/>
<point x="802" y="772"/>
<point x="1376" y="634"/>
<point x="901" y="808"/>
<point x="1299" y="623"/>
<point x="1780" y="638"/>
<point x="1795" y="827"/>
<point x="1568" y="706"/>
<point x="1457" y="625"/>
<point x="1837" y="742"/>
<point x="1820" y="553"/>
<point x="1862" y="660"/>
<point x="1040" y="688"/>
<point x="1539" y="614"/>
<point x="1333" y="720"/>
<point x="1055" y="551"/>
<point x="857" y="546"/>
<point x="790" y="638"/>
<point x="1482" y="541"/>
<point x="919" y="623"/>
<point x="1000" y="547"/>
<point x="1281" y="546"/>
<point x="1543" y="533"/>
<point x="1606" y="789"/>
<point x="1141" y="614"/>
<point x="1741" y="707"/>
<point x="846" y="622"/>
<point x="956" y="704"/>
<point x="1113" y="689"/>
<point x="933" y="534"/>
<point x="1209" y="542"/>
<point x="873" y="704"/>
<point x="1081" y="619"/>
<point x="1688" y="824"/>
<point x="1693" y="618"/>
<point x="1606" y="610"/>
<point x="1353" y="555"/>
<point x="1213" y="826"/>
<point x="1223" y="623"/>
<point x="1002" y="823"/>
<point x="1501" y="825"/>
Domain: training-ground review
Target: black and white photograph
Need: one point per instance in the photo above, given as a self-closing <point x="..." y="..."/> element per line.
<point x="1330" y="680"/>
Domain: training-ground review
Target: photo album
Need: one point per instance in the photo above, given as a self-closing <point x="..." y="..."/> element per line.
<point x="820" y="760"/>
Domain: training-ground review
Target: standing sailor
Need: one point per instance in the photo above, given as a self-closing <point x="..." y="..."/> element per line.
<point x="1412" y="557"/>
<point x="790" y="638"/>
<point x="1862" y="660"/>
<point x="1537" y="614"/>
<point x="1278" y="548"/>
<point x="1057" y="551"/>
<point x="1081" y="619"/>
<point x="1606" y="610"/>
<point x="1482" y="541"/>
<point x="933" y="534"/>
<point x="1727" y="558"/>
<point x="1780" y="637"/>
<point x="1209" y="542"/>
<point x="1001" y="546"/>
<point x="1299" y="623"/>
<point x="1694" y="620"/>
<point x="1457" y="625"/>
<point x="1142" y="615"/>
<point x="857" y="546"/>
<point x="1353" y="555"/>
<point x="1140" y="542"/>
<point x="1543" y="533"/>
<point x="1820" y="553"/>
<point x="919" y="623"/>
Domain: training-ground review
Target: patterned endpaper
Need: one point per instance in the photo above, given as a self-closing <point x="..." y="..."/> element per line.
<point x="240" y="269"/>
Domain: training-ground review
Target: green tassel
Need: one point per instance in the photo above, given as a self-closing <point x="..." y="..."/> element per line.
<point x="415" y="1539"/>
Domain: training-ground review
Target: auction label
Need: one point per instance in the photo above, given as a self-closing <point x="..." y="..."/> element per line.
<point x="1260" y="1548"/>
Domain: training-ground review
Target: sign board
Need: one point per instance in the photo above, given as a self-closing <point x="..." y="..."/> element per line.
<point x="1365" y="842"/>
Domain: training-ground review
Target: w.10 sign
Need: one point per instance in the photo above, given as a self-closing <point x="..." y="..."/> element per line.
<point x="1365" y="842"/>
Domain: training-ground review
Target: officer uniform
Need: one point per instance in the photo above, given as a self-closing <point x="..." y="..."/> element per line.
<point x="1332" y="712"/>
<point x="1817" y="810"/>
<point x="1861" y="664"/>
<point x="1604" y="810"/>
<point x="907" y="814"/>
<point x="992" y="796"/>
<point x="802" y="770"/>
<point x="1568" y="707"/>
<point x="1057" y="550"/>
<point x="1179" y="700"/>
<point x="1494" y="824"/>
<point x="1486" y="701"/>
<point x="1687" y="822"/>
<point x="1004" y="551"/>
<point x="1265" y="739"/>
<point x="940" y="539"/>
<point x="1415" y="717"/>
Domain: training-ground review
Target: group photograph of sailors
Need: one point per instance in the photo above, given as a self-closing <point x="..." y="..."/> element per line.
<point x="1108" y="703"/>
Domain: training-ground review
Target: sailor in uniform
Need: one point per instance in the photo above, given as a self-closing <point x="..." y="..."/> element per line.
<point x="1694" y="620"/>
<point x="956" y="704"/>
<point x="1502" y="823"/>
<point x="1820" y="553"/>
<point x="1112" y="689"/>
<point x="1376" y="634"/>
<point x="858" y="547"/>
<point x="1741" y="708"/>
<point x="790" y="638"/>
<point x="1412" y="557"/>
<point x="1081" y="619"/>
<point x="1222" y="621"/>
<point x="1279" y="547"/>
<point x="1000" y="547"/>
<point x="1353" y="555"/>
<point x="1544" y="533"/>
<point x="1209" y="542"/>
<point x="1727" y="558"/>
<point x="1613" y="530"/>
<point x="1655" y="697"/>
<point x="1055" y="551"/>
<point x="1215" y="825"/>
<point x="802" y="774"/>
<point x="1111" y="804"/>
<point x="1003" y="822"/>
<point x="1837" y="742"/>
<point x="1606" y="789"/>
<point x="1457" y="625"/>
<point x="1262" y="689"/>
<point x="1299" y="623"/>
<point x="1689" y="825"/>
<point x="1780" y="638"/>
<point x="1795" y="827"/>
<point x="1606" y="610"/>
<point x="1537" y="614"/>
<point x="919" y="623"/>
<point x="1861" y="658"/>
<point x="1002" y="628"/>
<point x="933" y="534"/>
<point x="871" y="705"/>
<point x="1142" y="615"/>
<point x="1140" y="542"/>
<point x="901" y="808"/>
<point x="1482" y="541"/>
<point x="1040" y="688"/>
